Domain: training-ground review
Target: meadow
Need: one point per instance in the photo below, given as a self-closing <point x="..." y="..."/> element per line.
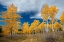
<point x="46" y="37"/>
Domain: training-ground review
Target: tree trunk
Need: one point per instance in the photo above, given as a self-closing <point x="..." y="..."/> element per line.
<point x="11" y="33"/>
<point x="43" y="30"/>
<point x="47" y="26"/>
<point x="52" y="27"/>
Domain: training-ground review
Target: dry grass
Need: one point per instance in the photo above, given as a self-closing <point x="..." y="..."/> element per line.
<point x="18" y="38"/>
<point x="47" y="37"/>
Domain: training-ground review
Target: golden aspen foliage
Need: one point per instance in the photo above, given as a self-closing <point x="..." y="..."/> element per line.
<point x="62" y="18"/>
<point x="57" y="26"/>
<point x="11" y="9"/>
<point x="45" y="12"/>
<point x="25" y="27"/>
<point x="53" y="11"/>
<point x="4" y="15"/>
<point x="15" y="31"/>
<point x="50" y="27"/>
<point x="6" y="30"/>
<point x="41" y="26"/>
<point x="33" y="26"/>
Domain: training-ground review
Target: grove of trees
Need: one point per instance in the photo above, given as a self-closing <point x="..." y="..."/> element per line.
<point x="11" y="18"/>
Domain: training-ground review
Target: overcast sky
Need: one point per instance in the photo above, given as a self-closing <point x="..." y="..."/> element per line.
<point x="34" y="5"/>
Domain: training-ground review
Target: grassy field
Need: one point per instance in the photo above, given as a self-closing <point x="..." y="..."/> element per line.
<point x="46" y="37"/>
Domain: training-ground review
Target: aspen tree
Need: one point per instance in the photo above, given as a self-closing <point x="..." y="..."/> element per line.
<point x="45" y="14"/>
<point x="53" y="11"/>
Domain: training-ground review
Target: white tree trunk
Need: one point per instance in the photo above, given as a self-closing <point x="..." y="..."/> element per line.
<point x="47" y="26"/>
<point x="52" y="27"/>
